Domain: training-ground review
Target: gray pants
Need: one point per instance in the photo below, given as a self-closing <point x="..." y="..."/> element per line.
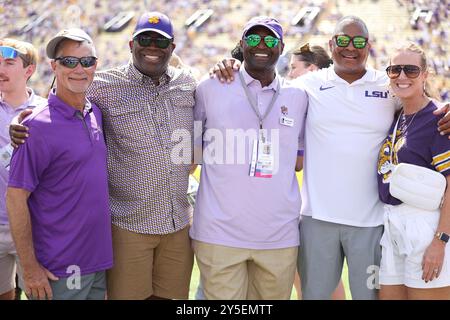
<point x="323" y="247"/>
<point x="91" y="287"/>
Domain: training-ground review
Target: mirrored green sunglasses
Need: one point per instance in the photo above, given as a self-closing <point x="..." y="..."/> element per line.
<point x="343" y="40"/>
<point x="253" y="40"/>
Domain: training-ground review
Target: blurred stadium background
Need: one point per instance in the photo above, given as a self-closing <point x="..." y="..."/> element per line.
<point x="206" y="30"/>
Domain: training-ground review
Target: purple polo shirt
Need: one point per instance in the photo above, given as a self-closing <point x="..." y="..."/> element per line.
<point x="7" y="113"/>
<point x="422" y="145"/>
<point x="232" y="208"/>
<point x="63" y="165"/>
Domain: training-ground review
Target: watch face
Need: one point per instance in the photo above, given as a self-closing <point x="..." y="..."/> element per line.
<point x="444" y="237"/>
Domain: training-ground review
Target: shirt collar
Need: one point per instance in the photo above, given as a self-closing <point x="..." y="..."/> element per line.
<point x="66" y="110"/>
<point x="248" y="79"/>
<point x="32" y="101"/>
<point x="137" y="76"/>
<point x="369" y="76"/>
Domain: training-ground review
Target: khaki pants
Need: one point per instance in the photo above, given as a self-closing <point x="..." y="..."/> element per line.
<point x="237" y="274"/>
<point x="146" y="265"/>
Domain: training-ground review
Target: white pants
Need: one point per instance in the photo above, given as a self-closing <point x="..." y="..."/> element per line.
<point x="408" y="231"/>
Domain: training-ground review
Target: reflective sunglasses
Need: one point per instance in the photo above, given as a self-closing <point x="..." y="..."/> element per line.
<point x="72" y="62"/>
<point x="254" y="39"/>
<point x="146" y="41"/>
<point x="411" y="71"/>
<point x="343" y="40"/>
<point x="8" y="52"/>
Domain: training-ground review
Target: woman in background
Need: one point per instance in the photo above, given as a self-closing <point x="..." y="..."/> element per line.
<point x="303" y="60"/>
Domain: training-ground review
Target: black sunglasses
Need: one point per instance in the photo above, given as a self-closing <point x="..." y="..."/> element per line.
<point x="343" y="40"/>
<point x="410" y="70"/>
<point x="146" y="41"/>
<point x="72" y="62"/>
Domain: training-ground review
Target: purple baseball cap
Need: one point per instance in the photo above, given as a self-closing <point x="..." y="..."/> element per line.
<point x="156" y="22"/>
<point x="267" y="22"/>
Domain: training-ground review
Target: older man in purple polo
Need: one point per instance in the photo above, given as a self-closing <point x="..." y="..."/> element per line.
<point x="57" y="195"/>
<point x="245" y="227"/>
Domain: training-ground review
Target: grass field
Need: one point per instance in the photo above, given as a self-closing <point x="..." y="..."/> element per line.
<point x="196" y="275"/>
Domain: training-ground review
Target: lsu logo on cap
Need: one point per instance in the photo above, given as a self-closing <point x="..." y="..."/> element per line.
<point x="153" y="20"/>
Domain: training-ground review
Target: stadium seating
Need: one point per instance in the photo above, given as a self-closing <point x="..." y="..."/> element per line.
<point x="206" y="31"/>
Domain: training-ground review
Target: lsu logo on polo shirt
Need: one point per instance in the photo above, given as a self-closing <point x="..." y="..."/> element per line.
<point x="376" y="94"/>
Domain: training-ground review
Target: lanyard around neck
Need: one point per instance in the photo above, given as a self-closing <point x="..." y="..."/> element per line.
<point x="253" y="102"/>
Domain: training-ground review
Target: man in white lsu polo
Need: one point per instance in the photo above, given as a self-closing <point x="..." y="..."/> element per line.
<point x="349" y="114"/>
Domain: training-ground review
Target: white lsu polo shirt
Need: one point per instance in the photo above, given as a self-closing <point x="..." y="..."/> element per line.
<point x="345" y="126"/>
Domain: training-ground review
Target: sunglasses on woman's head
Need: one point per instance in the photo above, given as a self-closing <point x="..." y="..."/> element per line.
<point x="146" y="41"/>
<point x="72" y="62"/>
<point x="343" y="41"/>
<point x="411" y="71"/>
<point x="305" y="48"/>
<point x="253" y="40"/>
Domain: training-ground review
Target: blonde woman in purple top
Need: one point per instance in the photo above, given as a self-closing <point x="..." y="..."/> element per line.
<point x="415" y="261"/>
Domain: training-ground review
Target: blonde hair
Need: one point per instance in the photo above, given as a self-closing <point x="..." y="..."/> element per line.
<point x="428" y="90"/>
<point x="27" y="52"/>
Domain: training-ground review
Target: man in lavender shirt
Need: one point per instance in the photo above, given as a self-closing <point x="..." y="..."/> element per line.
<point x="245" y="226"/>
<point x="57" y="195"/>
<point x="18" y="61"/>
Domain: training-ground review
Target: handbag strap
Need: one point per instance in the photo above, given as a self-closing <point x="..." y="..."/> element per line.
<point x="394" y="134"/>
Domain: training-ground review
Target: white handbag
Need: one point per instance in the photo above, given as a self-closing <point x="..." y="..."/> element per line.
<point x="415" y="185"/>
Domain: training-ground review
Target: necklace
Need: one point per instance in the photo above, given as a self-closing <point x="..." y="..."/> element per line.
<point x="404" y="125"/>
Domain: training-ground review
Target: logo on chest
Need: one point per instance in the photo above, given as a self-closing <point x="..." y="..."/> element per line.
<point x="376" y="94"/>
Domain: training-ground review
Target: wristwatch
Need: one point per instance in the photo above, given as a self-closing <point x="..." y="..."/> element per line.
<point x="442" y="236"/>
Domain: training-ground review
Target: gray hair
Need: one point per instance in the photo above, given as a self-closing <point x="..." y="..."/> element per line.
<point x="351" y="19"/>
<point x="60" y="45"/>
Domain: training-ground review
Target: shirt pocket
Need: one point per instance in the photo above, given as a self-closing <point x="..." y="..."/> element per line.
<point x="182" y="97"/>
<point x="131" y="122"/>
<point x="181" y="108"/>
